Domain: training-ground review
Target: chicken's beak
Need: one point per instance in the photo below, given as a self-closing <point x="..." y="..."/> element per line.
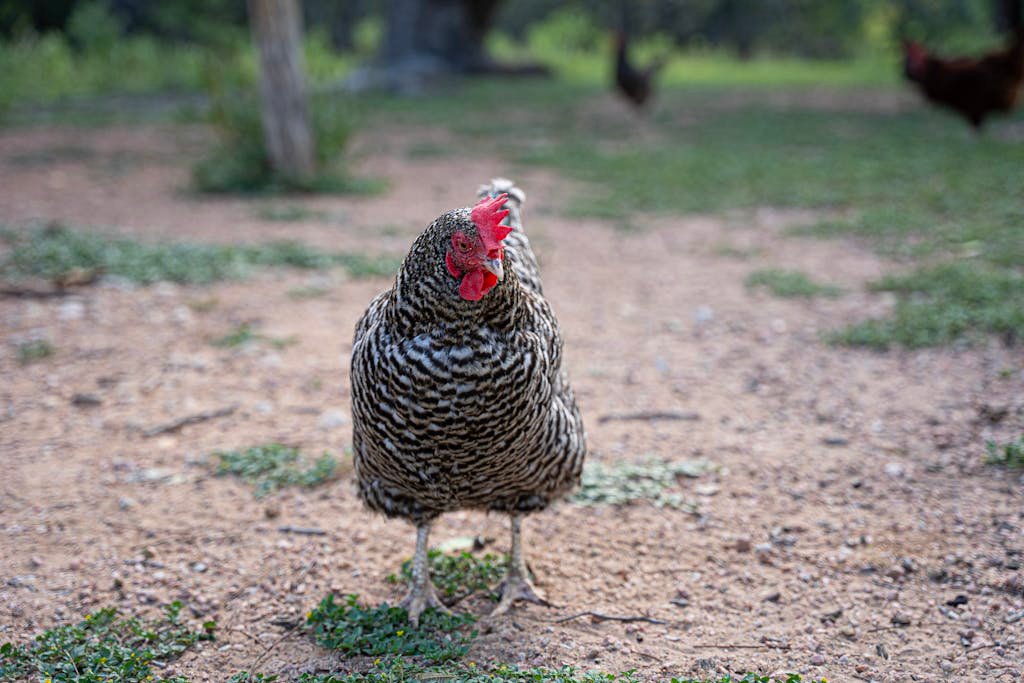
<point x="494" y="265"/>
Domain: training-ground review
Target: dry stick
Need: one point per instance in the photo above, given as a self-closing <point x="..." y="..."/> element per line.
<point x="175" y="425"/>
<point x="733" y="646"/>
<point x="655" y="415"/>
<point x="302" y="531"/>
<point x="985" y="647"/>
<point x="608" y="617"/>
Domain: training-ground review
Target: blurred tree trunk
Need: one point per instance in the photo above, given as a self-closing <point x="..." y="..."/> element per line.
<point x="277" y="30"/>
<point x="426" y="38"/>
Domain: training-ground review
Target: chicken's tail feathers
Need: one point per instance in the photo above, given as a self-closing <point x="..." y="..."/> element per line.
<point x="516" y="198"/>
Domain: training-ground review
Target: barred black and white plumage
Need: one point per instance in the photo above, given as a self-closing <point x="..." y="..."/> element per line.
<point x="462" y="403"/>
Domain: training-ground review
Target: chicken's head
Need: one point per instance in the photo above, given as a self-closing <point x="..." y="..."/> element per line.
<point x="915" y="59"/>
<point x="476" y="256"/>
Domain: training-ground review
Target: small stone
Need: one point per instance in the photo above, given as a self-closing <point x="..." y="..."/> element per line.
<point x="817" y="659"/>
<point x="895" y="470"/>
<point x="946" y="666"/>
<point x="704" y="314"/>
<point x="125" y="503"/>
<point x="198" y="567"/>
<point x="900" y="619"/>
<point x="742" y="545"/>
<point x="272" y="511"/>
<point x="71" y="310"/>
<point x="34" y="562"/>
<point x="86" y="400"/>
<point x="331" y="419"/>
<point x="774" y="596"/>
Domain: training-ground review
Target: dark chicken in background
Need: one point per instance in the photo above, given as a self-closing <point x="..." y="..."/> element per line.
<point x="974" y="87"/>
<point x="633" y="83"/>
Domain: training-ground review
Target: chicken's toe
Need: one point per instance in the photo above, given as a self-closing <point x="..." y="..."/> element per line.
<point x="420" y="600"/>
<point x="516" y="589"/>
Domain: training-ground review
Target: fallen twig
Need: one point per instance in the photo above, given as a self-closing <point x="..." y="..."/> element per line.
<point x="302" y="531"/>
<point x="175" y="425"/>
<point x="986" y="647"/>
<point x="29" y="292"/>
<point x="649" y="416"/>
<point x="734" y="646"/>
<point x="609" y="617"/>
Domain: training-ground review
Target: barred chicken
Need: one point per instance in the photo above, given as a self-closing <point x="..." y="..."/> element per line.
<point x="458" y="395"/>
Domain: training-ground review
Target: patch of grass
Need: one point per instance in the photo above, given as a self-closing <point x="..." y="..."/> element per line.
<point x="944" y="304"/>
<point x="428" y="150"/>
<point x="1009" y="454"/>
<point x="245" y="334"/>
<point x="623" y="483"/>
<point x="33" y="350"/>
<point x="56" y="251"/>
<point x="104" y="647"/>
<point x="354" y="629"/>
<point x="458" y="576"/>
<point x="289" y="213"/>
<point x="789" y="284"/>
<point x="308" y="292"/>
<point x="742" y="253"/>
<point x="363" y="266"/>
<point x="272" y="466"/>
<point x="396" y="670"/>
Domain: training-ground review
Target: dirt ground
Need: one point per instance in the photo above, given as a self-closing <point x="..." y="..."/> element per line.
<point x="851" y="504"/>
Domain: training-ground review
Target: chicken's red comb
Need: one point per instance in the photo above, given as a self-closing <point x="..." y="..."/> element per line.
<point x="487" y="215"/>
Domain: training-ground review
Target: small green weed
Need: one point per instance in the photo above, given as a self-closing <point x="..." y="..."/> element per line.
<point x="623" y="483"/>
<point x="56" y="251"/>
<point x="395" y="670"/>
<point x="1009" y="454"/>
<point x="36" y="349"/>
<point x="273" y="466"/>
<point x="458" y="576"/>
<point x="244" y="334"/>
<point x="362" y="266"/>
<point x="789" y="284"/>
<point x="942" y="305"/>
<point x="354" y="629"/>
<point x="246" y="677"/>
<point x="289" y="213"/>
<point x="104" y="647"/>
<point x="308" y="292"/>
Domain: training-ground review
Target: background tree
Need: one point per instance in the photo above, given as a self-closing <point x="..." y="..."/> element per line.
<point x="277" y="30"/>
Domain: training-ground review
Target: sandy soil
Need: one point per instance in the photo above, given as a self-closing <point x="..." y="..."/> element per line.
<point x="850" y="506"/>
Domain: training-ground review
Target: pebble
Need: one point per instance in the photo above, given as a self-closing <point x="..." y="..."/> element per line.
<point x="817" y="659"/>
<point x="198" y="567"/>
<point x="946" y="666"/>
<point x="704" y="314"/>
<point x="895" y="470"/>
<point x="331" y="419"/>
<point x="71" y="310"/>
<point x="901" y="619"/>
<point x="125" y="503"/>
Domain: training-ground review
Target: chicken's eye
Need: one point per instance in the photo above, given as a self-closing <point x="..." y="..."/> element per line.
<point x="463" y="245"/>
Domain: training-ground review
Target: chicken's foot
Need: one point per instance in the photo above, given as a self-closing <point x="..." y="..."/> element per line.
<point x="517" y="585"/>
<point x="421" y="594"/>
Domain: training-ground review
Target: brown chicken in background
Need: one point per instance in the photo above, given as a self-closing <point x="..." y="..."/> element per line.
<point x="974" y="87"/>
<point x="634" y="83"/>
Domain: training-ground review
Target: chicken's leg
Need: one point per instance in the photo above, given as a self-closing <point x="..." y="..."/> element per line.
<point x="517" y="585"/>
<point x="421" y="595"/>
